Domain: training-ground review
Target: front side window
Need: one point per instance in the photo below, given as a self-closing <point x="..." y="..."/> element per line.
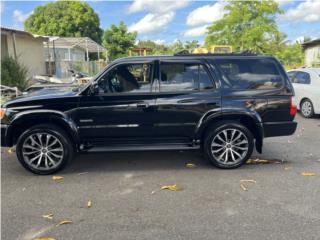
<point x="250" y="73"/>
<point x="127" y="78"/>
<point x="183" y="77"/>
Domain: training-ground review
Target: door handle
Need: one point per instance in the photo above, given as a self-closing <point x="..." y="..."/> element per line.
<point x="142" y="105"/>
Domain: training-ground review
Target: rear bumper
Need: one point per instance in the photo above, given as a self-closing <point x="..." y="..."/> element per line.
<point x="277" y="129"/>
<point x="4" y="142"/>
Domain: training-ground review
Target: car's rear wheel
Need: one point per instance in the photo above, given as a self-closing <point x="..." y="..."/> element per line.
<point x="44" y="149"/>
<point x="228" y="145"/>
<point x="307" y="108"/>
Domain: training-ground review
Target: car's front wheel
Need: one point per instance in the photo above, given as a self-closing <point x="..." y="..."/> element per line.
<point x="307" y="108"/>
<point x="228" y="145"/>
<point x="44" y="149"/>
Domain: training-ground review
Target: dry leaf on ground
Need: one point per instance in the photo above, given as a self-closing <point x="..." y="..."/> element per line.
<point x="171" y="187"/>
<point x="308" y="174"/>
<point x="89" y="204"/>
<point x="62" y="222"/>
<point x="263" y="161"/>
<point x="44" y="238"/>
<point x="287" y="168"/>
<point x="245" y="182"/>
<point x="48" y="216"/>
<point x="290" y="141"/>
<point x="57" y="177"/>
<point x="190" y="165"/>
<point x="10" y="151"/>
<point x="243" y="187"/>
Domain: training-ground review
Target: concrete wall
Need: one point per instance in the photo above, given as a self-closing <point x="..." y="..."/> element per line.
<point x="312" y="55"/>
<point x="30" y="52"/>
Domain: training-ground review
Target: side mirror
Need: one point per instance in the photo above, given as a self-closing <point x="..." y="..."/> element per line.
<point x="94" y="89"/>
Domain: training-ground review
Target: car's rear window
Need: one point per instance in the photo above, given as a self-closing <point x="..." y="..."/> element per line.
<point x="250" y="73"/>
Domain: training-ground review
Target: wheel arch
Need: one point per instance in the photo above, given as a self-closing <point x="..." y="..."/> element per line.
<point x="25" y="120"/>
<point x="252" y="121"/>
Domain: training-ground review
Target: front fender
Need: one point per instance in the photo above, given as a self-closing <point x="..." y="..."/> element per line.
<point x="32" y="117"/>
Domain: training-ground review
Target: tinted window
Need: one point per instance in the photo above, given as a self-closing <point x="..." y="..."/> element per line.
<point x="303" y="77"/>
<point x="127" y="78"/>
<point x="250" y="73"/>
<point x="292" y="76"/>
<point x="183" y="77"/>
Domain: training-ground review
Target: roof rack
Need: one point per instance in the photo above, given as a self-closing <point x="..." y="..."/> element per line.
<point x="244" y="53"/>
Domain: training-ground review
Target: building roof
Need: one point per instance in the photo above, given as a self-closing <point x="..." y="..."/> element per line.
<point x="6" y="30"/>
<point x="81" y="42"/>
<point x="311" y="43"/>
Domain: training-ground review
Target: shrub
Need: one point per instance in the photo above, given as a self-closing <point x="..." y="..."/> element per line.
<point x="13" y="74"/>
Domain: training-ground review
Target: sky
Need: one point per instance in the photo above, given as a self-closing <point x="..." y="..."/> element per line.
<point x="166" y="21"/>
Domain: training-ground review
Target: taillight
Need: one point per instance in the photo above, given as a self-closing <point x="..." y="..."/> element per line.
<point x="2" y="112"/>
<point x="293" y="108"/>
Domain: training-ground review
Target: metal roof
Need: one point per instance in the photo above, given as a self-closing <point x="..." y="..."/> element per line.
<point x="21" y="32"/>
<point x="81" y="42"/>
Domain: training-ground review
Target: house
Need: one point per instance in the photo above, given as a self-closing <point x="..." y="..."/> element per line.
<point x="312" y="52"/>
<point x="64" y="53"/>
<point x="27" y="48"/>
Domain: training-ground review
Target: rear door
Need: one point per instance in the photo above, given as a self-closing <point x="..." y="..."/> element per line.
<point x="186" y="91"/>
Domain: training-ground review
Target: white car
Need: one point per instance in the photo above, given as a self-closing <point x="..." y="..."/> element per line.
<point x="306" y="84"/>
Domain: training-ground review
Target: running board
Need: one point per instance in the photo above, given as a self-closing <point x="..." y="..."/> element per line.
<point x="156" y="147"/>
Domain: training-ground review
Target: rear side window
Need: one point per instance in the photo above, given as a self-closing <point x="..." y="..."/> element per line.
<point x="303" y="77"/>
<point x="184" y="77"/>
<point x="250" y="73"/>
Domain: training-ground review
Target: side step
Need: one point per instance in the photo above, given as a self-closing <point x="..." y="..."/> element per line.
<point x="153" y="147"/>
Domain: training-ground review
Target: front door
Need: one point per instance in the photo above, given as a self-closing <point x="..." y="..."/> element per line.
<point x="121" y="109"/>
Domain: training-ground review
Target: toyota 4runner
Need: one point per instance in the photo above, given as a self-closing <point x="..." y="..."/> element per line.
<point x="224" y="105"/>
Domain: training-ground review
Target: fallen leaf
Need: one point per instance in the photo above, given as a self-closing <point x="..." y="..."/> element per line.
<point x="171" y="187"/>
<point x="262" y="161"/>
<point x="248" y="181"/>
<point x="153" y="192"/>
<point x="287" y="168"/>
<point x="308" y="174"/>
<point x="243" y="184"/>
<point x="57" y="177"/>
<point x="89" y="204"/>
<point x="243" y="187"/>
<point x="190" y="165"/>
<point x="290" y="141"/>
<point x="82" y="173"/>
<point x="62" y="222"/>
<point x="44" y="238"/>
<point x="10" y="151"/>
<point x="48" y="216"/>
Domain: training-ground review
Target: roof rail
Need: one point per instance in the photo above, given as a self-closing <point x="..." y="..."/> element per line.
<point x="244" y="53"/>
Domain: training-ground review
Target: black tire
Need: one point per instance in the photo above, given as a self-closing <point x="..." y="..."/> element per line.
<point x="309" y="112"/>
<point x="55" y="132"/>
<point x="218" y="129"/>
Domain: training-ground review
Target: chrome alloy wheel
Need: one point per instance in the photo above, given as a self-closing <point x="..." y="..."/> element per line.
<point x="42" y="151"/>
<point x="230" y="146"/>
<point x="306" y="108"/>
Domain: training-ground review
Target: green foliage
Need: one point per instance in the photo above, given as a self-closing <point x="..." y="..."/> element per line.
<point x="190" y="45"/>
<point x="65" y="19"/>
<point x="157" y="49"/>
<point x="13" y="74"/>
<point x="118" y="40"/>
<point x="247" y="25"/>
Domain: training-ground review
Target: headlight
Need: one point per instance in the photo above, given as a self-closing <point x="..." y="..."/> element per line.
<point x="2" y="112"/>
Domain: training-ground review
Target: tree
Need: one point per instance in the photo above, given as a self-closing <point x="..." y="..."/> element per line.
<point x="247" y="25"/>
<point x="190" y="45"/>
<point x="118" y="40"/>
<point x="65" y="19"/>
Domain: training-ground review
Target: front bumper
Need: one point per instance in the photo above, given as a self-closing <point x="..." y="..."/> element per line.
<point x="4" y="128"/>
<point x="277" y="129"/>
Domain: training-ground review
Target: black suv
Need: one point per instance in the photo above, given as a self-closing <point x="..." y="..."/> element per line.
<point x="222" y="104"/>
